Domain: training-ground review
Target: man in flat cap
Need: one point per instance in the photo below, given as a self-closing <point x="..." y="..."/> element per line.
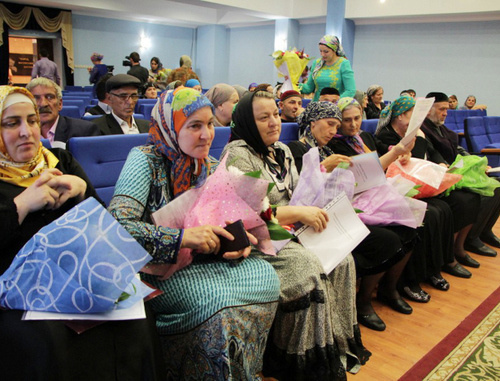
<point x="446" y="142"/>
<point x="122" y="95"/>
<point x="290" y="105"/>
<point x="58" y="129"/>
<point x="137" y="70"/>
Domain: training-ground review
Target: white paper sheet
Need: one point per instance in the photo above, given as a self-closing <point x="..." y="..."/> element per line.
<point x="368" y="171"/>
<point x="137" y="311"/>
<point x="343" y="233"/>
<point x="420" y="111"/>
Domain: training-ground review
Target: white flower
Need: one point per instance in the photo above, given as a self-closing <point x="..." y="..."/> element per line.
<point x="265" y="204"/>
<point x="235" y="171"/>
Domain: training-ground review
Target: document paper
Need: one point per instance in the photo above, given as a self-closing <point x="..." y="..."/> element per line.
<point x="343" y="233"/>
<point x="368" y="171"/>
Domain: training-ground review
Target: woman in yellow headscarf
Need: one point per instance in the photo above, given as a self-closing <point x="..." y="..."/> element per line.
<point x="38" y="185"/>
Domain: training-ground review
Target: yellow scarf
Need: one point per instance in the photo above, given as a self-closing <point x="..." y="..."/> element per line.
<point x="22" y="174"/>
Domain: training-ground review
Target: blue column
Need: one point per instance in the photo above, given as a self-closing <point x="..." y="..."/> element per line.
<point x="337" y="25"/>
<point x="211" y="62"/>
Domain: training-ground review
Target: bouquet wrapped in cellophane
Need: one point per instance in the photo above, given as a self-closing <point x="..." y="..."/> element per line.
<point x="290" y="64"/>
<point x="227" y="195"/>
<point x="83" y="262"/>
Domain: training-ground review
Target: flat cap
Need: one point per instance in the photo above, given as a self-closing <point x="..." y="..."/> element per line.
<point x="121" y="80"/>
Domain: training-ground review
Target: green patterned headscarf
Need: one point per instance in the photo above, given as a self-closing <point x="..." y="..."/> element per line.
<point x="396" y="108"/>
<point x="333" y="43"/>
<point x="347" y="101"/>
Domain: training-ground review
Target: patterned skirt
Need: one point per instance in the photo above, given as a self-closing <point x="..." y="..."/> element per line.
<point x="214" y="317"/>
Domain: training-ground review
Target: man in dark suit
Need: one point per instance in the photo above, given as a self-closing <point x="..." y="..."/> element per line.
<point x="57" y="128"/>
<point x="137" y="70"/>
<point x="122" y="95"/>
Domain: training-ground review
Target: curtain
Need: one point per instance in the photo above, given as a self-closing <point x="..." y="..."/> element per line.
<point x="18" y="21"/>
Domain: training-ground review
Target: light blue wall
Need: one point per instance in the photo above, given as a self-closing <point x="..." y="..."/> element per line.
<point x="250" y="58"/>
<point x="212" y="50"/>
<point x="454" y="58"/>
<point x="116" y="39"/>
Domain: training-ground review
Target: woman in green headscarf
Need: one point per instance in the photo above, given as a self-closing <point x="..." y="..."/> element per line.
<point x="331" y="70"/>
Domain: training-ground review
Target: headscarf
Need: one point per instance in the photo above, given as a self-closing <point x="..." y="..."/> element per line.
<point x="245" y="128"/>
<point x="396" y="108"/>
<point x="22" y="174"/>
<point x="158" y="62"/>
<point x="372" y="90"/>
<point x="192" y="83"/>
<point x="355" y="142"/>
<point x="220" y="93"/>
<point x="168" y="117"/>
<point x="313" y="112"/>
<point x="185" y="61"/>
<point x="96" y="57"/>
<point x="465" y="102"/>
<point x="240" y="90"/>
<point x="333" y="43"/>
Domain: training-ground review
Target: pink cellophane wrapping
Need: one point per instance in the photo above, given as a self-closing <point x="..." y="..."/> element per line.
<point x="227" y="195"/>
<point x="432" y="177"/>
<point x="385" y="205"/>
<point x="318" y="188"/>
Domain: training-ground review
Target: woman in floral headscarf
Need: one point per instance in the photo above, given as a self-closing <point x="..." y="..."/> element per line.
<point x="381" y="257"/>
<point x="213" y="316"/>
<point x="37" y="186"/>
<point x="331" y="70"/>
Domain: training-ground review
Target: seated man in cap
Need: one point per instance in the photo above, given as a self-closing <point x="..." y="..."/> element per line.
<point x="446" y="142"/>
<point x="137" y="70"/>
<point x="122" y="94"/>
<point x="329" y="94"/>
<point x="102" y="106"/>
<point x="58" y="129"/>
<point x="290" y="105"/>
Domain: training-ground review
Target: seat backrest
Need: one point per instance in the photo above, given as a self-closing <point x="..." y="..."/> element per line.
<point x="144" y="101"/>
<point x="103" y="157"/>
<point x="305" y="102"/>
<point x="492" y="125"/>
<point x="460" y="116"/>
<point x="289" y="132"/>
<point x="46" y="143"/>
<point x="450" y="118"/>
<point x="220" y="140"/>
<point x="71" y="111"/>
<point x="73" y="88"/>
<point x="80" y="103"/>
<point x="91" y="117"/>
<point x="369" y="125"/>
<point x="146" y="110"/>
<point x="475" y="133"/>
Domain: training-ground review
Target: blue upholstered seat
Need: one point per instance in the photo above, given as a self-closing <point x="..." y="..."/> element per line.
<point x="80" y="103"/>
<point x="71" y="111"/>
<point x="477" y="133"/>
<point x="289" y="132"/>
<point x="146" y="110"/>
<point x="220" y="140"/>
<point x="369" y="125"/>
<point x="102" y="158"/>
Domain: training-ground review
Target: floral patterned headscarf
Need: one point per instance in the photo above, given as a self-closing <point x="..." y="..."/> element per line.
<point x="21" y="174"/>
<point x="355" y="142"/>
<point x="333" y="43"/>
<point x="396" y="108"/>
<point x="168" y="116"/>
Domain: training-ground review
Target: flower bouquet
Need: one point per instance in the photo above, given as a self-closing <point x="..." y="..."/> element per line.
<point x="290" y="64"/>
<point x="227" y="195"/>
<point x="83" y="262"/>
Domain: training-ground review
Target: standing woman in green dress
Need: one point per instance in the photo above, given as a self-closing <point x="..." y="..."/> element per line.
<point x="333" y="69"/>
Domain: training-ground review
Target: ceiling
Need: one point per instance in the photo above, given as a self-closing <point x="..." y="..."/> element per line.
<point x="234" y="13"/>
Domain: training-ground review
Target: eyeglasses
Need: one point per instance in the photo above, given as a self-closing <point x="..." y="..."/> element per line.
<point x="126" y="97"/>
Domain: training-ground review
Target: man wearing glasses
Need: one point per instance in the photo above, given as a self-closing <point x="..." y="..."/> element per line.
<point x="122" y="95"/>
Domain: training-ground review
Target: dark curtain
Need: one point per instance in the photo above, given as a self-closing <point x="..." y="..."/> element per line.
<point x="32" y="25"/>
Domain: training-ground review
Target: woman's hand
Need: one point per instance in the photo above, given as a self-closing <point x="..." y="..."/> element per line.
<point x="243" y="252"/>
<point x="38" y="196"/>
<point x="405" y="159"/>
<point x="400" y="149"/>
<point x="68" y="186"/>
<point x="331" y="162"/>
<point x="313" y="216"/>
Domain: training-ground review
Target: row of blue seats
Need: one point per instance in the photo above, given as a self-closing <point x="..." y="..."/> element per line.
<point x="102" y="157"/>
<point x="483" y="137"/>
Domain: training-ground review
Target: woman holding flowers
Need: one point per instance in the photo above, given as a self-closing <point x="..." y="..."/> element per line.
<point x="214" y="314"/>
<point x="37" y="186"/>
<point x="331" y="70"/>
<point x="315" y="334"/>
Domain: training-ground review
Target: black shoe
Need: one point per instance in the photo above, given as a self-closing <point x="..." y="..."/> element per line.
<point x="372" y="321"/>
<point x="398" y="305"/>
<point x="457" y="270"/>
<point x="480" y="248"/>
<point x="467" y="261"/>
<point x="417" y="296"/>
<point x="491" y="239"/>
<point x="439" y="282"/>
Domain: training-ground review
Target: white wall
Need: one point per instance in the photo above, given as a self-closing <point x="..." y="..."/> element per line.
<point x="454" y="58"/>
